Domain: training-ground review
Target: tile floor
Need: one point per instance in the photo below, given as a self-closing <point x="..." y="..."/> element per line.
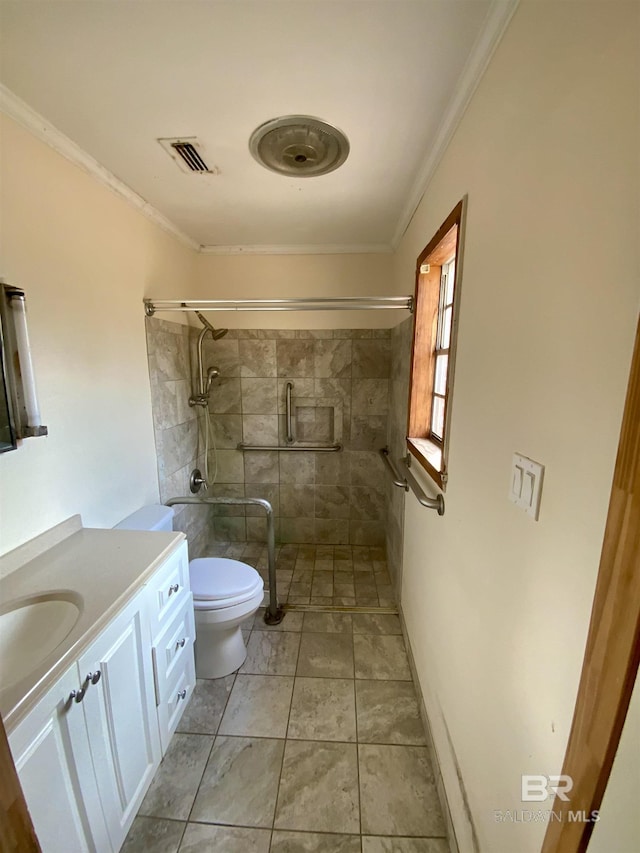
<point x="314" y="746"/>
<point x="325" y="575"/>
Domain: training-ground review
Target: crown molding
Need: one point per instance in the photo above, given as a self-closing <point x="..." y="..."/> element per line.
<point x="17" y="109"/>
<point x="302" y="249"/>
<point x="496" y="22"/>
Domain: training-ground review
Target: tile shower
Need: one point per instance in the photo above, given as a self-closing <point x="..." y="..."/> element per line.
<point x="349" y="386"/>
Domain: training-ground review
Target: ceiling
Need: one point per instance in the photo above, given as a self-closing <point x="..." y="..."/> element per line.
<point x="115" y="76"/>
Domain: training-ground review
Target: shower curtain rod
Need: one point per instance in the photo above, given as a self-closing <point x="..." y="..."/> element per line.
<point x="320" y="303"/>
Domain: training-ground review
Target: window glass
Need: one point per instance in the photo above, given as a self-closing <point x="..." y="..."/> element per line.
<point x="451" y="277"/>
<point x="437" y="417"/>
<point x="446" y="328"/>
<point x="440" y="382"/>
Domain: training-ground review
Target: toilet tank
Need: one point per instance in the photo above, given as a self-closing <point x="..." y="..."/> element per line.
<point x="154" y="517"/>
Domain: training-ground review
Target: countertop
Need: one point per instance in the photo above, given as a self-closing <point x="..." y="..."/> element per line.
<point x="103" y="569"/>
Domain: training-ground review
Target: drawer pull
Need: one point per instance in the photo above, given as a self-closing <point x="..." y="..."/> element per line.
<point x="180" y="643"/>
<point x="182" y="694"/>
<point x="174" y="588"/>
<point x="94" y="677"/>
<point x="77" y="695"/>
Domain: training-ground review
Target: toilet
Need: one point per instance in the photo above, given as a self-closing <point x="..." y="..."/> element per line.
<point x="225" y="593"/>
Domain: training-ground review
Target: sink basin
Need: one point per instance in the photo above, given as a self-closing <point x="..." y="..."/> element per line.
<point x="31" y="629"/>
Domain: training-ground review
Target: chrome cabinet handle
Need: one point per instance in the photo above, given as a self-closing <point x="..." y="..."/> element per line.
<point x="182" y="694"/>
<point x="77" y="695"/>
<point x="180" y="643"/>
<point x="94" y="677"/>
<point x="174" y="588"/>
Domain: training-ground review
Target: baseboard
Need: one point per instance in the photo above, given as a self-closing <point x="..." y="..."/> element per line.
<point x="433" y="754"/>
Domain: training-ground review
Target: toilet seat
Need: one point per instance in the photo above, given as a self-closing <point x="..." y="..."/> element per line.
<point x="218" y="582"/>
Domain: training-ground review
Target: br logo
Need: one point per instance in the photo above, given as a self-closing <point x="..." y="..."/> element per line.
<point x="536" y="788"/>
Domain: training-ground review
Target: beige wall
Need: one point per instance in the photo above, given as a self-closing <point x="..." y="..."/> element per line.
<point x="85" y="258"/>
<point x="273" y="276"/>
<point x="497" y="605"/>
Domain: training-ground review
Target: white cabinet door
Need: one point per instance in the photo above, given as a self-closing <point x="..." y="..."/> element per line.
<point x="121" y="716"/>
<point x="51" y="752"/>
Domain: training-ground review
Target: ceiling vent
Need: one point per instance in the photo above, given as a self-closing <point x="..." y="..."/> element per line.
<point x="188" y="154"/>
<point x="299" y="146"/>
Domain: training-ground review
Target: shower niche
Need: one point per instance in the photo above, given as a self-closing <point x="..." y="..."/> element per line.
<point x="316" y="420"/>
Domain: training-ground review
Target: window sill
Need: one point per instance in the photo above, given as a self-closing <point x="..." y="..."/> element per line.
<point x="429" y="455"/>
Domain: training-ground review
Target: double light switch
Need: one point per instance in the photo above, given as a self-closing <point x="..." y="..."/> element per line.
<point x="526" y="484"/>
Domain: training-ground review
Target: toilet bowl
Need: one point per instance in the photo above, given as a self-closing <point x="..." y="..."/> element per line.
<point x="225" y="593"/>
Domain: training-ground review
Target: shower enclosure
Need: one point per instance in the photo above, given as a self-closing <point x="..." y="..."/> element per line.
<point x="313" y="389"/>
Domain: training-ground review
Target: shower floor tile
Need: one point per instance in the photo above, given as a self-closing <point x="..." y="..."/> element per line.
<point x="314" y="746"/>
<point x="320" y="575"/>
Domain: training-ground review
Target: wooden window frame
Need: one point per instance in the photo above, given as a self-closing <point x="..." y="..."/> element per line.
<point x="426" y="447"/>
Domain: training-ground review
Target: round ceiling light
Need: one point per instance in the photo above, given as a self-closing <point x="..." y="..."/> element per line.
<point x="299" y="146"/>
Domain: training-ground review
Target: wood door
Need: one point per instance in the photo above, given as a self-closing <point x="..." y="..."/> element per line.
<point x="16" y="829"/>
<point x="613" y="644"/>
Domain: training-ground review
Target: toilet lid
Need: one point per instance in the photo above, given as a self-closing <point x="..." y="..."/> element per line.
<point x="219" y="578"/>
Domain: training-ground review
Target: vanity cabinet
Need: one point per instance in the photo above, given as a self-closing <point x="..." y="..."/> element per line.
<point x="119" y="709"/>
<point x="87" y="752"/>
<point x="173" y="637"/>
<point x="53" y="758"/>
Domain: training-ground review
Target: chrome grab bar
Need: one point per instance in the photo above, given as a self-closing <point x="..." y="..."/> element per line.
<point x="384" y="452"/>
<point x="410" y="481"/>
<point x="289" y="389"/>
<point x="318" y="448"/>
<point x="274" y="614"/>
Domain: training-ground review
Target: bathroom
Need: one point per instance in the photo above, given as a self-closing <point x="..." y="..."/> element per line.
<point x="495" y="606"/>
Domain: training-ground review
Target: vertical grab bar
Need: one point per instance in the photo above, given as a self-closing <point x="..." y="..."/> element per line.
<point x="288" y="390"/>
<point x="274" y="613"/>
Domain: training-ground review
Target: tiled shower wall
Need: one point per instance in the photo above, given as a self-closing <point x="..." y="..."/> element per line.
<point x="176" y="425"/>
<point x="340" y="393"/>
<point x="401" y="339"/>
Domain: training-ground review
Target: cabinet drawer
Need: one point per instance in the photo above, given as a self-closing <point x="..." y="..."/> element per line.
<point x="172" y="647"/>
<point x="166" y="589"/>
<point x="172" y="707"/>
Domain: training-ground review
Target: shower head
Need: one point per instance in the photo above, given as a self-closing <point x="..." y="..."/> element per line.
<point x="212" y="373"/>
<point x="216" y="334"/>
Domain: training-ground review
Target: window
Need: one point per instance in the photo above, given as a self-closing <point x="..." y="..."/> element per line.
<point x="434" y="342"/>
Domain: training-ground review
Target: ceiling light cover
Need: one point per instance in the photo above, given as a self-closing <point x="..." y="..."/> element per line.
<point x="299" y="146"/>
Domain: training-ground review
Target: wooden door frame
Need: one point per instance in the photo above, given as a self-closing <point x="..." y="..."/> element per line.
<point x="612" y="652"/>
<point x="16" y="830"/>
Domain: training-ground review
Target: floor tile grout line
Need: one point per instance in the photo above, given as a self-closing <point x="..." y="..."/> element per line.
<point x="326" y="832"/>
<point x="184" y="830"/>
<point x="355" y="711"/>
<point x="314" y="739"/>
<point x="286" y="731"/>
<point x="213" y="743"/>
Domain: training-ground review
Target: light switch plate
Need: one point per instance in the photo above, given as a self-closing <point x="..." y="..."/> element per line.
<point x="526" y="484"/>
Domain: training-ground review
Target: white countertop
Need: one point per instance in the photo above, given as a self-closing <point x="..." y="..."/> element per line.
<point x="103" y="569"/>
